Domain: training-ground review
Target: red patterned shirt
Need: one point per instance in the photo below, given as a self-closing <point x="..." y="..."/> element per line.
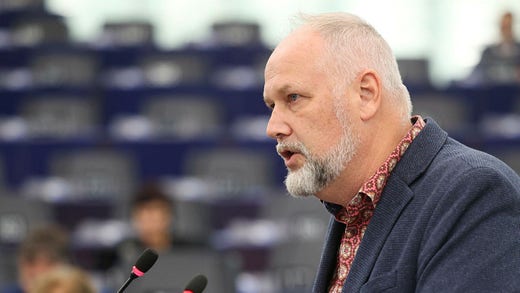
<point x="357" y="214"/>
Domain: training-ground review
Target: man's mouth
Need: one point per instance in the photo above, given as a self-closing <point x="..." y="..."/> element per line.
<point x="286" y="154"/>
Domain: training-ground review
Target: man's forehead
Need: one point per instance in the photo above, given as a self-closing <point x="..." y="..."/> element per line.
<point x="294" y="49"/>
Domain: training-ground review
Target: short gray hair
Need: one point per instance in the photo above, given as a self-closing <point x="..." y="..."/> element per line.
<point x="355" y="46"/>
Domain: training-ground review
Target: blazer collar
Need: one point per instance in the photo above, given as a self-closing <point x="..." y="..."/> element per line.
<point x="421" y="152"/>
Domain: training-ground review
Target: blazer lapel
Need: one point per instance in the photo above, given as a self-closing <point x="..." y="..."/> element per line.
<point x="395" y="197"/>
<point x="328" y="258"/>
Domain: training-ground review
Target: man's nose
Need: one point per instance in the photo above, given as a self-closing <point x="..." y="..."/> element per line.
<point x="277" y="127"/>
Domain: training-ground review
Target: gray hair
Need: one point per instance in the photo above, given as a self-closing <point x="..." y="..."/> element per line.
<point x="354" y="45"/>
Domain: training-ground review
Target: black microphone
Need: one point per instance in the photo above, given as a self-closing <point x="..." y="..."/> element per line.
<point x="196" y="285"/>
<point x="145" y="261"/>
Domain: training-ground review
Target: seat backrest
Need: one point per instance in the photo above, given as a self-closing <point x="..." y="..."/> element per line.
<point x="236" y="33"/>
<point x="242" y="76"/>
<point x="163" y="69"/>
<point x="414" y="71"/>
<point x="293" y="260"/>
<point x="449" y="110"/>
<point x="37" y="30"/>
<point x="96" y="173"/>
<point x="64" y="68"/>
<point x="229" y="169"/>
<point x="183" y="116"/>
<point x="21" y="5"/>
<point x="19" y="215"/>
<point x="127" y="33"/>
<point x="302" y="219"/>
<point x="60" y="115"/>
<point x="293" y="265"/>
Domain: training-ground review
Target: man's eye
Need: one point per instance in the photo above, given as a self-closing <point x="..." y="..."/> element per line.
<point x="293" y="97"/>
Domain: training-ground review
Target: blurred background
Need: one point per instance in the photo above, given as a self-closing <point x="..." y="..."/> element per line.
<point x="100" y="98"/>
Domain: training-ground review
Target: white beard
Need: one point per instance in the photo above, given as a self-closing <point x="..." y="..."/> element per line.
<point x="316" y="173"/>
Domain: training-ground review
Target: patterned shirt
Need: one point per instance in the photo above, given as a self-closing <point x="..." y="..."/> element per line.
<point x="357" y="214"/>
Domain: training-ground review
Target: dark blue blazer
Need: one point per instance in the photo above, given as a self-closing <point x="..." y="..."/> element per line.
<point x="448" y="221"/>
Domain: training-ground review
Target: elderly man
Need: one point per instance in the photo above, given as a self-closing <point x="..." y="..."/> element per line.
<point x="412" y="209"/>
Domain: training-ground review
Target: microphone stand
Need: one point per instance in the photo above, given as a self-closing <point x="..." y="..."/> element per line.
<point x="128" y="281"/>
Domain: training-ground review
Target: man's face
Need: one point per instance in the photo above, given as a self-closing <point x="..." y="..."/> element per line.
<point x="30" y="270"/>
<point x="151" y="219"/>
<point x="311" y="124"/>
<point x="506" y="27"/>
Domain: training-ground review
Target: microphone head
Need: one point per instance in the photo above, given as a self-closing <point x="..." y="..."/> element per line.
<point x="197" y="284"/>
<point x="146" y="260"/>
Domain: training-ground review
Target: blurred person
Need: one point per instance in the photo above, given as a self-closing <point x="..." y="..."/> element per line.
<point x="64" y="279"/>
<point x="412" y="210"/>
<point x="44" y="249"/>
<point x="151" y="216"/>
<point x="500" y="61"/>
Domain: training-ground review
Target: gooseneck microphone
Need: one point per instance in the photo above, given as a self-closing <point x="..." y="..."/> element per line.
<point x="196" y="285"/>
<point x="145" y="261"/>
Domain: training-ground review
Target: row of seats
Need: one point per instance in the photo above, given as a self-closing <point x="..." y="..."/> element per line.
<point x="183" y="114"/>
<point x="82" y="66"/>
<point x="86" y="169"/>
<point x="131" y="115"/>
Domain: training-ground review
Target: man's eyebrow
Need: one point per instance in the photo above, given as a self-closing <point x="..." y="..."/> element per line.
<point x="283" y="89"/>
<point x="279" y="90"/>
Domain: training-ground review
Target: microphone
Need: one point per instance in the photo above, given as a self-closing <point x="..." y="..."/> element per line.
<point x="196" y="285"/>
<point x="145" y="261"/>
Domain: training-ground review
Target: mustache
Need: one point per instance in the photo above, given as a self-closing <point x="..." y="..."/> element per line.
<point x="293" y="147"/>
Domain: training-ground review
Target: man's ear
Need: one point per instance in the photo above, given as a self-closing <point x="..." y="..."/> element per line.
<point x="370" y="94"/>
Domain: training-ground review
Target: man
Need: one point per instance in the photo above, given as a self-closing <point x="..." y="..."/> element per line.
<point x="44" y="249"/>
<point x="413" y="210"/>
<point x="151" y="216"/>
<point x="64" y="279"/>
<point x="500" y="62"/>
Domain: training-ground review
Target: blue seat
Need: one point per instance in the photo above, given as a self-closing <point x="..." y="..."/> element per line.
<point x="235" y="33"/>
<point x="19" y="215"/>
<point x="61" y="115"/>
<point x="37" y="29"/>
<point x="228" y="169"/>
<point x="125" y="34"/>
<point x="415" y="72"/>
<point x="177" y="67"/>
<point x="96" y="173"/>
<point x="453" y="111"/>
<point x="64" y="67"/>
<point x="184" y="116"/>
